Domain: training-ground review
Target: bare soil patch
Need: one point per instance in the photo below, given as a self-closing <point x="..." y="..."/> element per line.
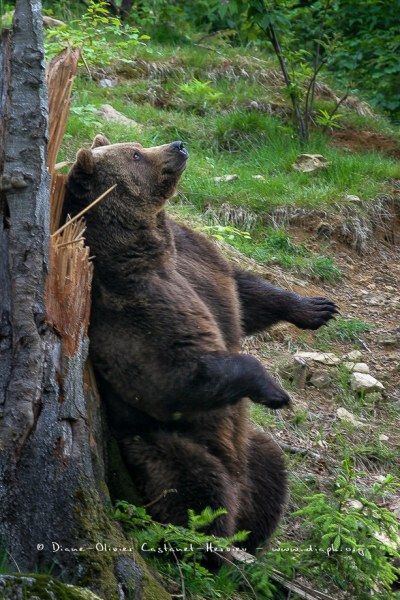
<point x="356" y="140"/>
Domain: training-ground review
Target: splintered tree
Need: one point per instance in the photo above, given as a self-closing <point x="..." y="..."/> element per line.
<point x="53" y="496"/>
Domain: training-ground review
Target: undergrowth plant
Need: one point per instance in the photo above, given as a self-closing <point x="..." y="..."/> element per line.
<point x="88" y="34"/>
<point x="199" y="94"/>
<point x="300" y="66"/>
<point x="347" y="541"/>
<point x="225" y="232"/>
<point x="185" y="547"/>
<point x="350" y="539"/>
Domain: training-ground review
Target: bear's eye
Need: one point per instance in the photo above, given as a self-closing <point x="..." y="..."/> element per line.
<point x="136" y="156"/>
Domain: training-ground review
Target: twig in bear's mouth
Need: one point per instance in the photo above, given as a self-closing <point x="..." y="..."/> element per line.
<point x="84" y="211"/>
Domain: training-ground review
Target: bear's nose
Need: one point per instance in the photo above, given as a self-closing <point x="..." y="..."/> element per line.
<point x="180" y="147"/>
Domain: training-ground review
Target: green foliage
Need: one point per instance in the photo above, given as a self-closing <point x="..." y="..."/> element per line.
<point x="327" y="119"/>
<point x="87" y="115"/>
<point x="101" y="37"/>
<point x="199" y="93"/>
<point x="359" y="41"/>
<point x="363" y="44"/>
<point x="369" y="52"/>
<point x="275" y="247"/>
<point x="4" y="562"/>
<point x="227" y="233"/>
<point x="178" y="20"/>
<point x="345" y="330"/>
<point x="349" y="541"/>
<point x="6" y="9"/>
<point x="185" y="547"/>
<point x="227" y="139"/>
<point x="300" y="67"/>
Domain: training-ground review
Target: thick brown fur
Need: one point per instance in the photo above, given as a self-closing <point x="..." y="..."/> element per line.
<point x="168" y="313"/>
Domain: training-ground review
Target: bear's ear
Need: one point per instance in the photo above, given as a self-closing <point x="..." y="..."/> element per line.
<point x="100" y="140"/>
<point x="84" y="161"/>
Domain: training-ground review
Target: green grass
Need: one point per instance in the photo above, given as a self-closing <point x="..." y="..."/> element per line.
<point x="262" y="416"/>
<point x="273" y="246"/>
<point x="343" y="330"/>
<point x="223" y="135"/>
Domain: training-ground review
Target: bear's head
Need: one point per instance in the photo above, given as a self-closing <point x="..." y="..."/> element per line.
<point x="145" y="178"/>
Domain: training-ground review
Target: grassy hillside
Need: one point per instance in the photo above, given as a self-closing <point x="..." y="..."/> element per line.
<point x="332" y="232"/>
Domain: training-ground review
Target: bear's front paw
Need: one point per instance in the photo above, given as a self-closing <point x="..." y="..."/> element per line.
<point x="312" y="313"/>
<point x="272" y="395"/>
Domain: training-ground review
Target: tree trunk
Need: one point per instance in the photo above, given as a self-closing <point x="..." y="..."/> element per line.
<point x="52" y="468"/>
<point x="126" y="7"/>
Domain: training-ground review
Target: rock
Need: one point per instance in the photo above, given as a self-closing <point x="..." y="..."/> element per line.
<point x="299" y="373"/>
<point x="354" y="355"/>
<point x="258" y="177"/>
<point x="351" y="198"/>
<point x="376" y="301"/>
<point x="254" y="105"/>
<point x="349" y="366"/>
<point x="307" y="163"/>
<point x="379" y="478"/>
<point x="50" y="22"/>
<point x="108" y="113"/>
<point x="326" y="358"/>
<point x="226" y="178"/>
<point x="356" y="367"/>
<point x="108" y="83"/>
<point x="361" y="368"/>
<point x="356" y="504"/>
<point x="242" y="556"/>
<point x="320" y="380"/>
<point x="389" y="339"/>
<point x="382" y="537"/>
<point x="361" y="382"/>
<point x="383" y="438"/>
<point x="345" y="415"/>
<point x="14" y="587"/>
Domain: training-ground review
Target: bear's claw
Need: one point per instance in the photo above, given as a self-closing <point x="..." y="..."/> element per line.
<point x="312" y="313"/>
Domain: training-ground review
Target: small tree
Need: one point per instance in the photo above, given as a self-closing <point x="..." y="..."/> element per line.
<point x="300" y="68"/>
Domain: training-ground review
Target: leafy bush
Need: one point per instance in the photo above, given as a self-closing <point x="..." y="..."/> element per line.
<point x="350" y="539"/>
<point x="186" y="547"/>
<point x="88" y="33"/>
<point x="369" y="52"/>
<point x="359" y="41"/>
<point x="199" y="93"/>
<point x="347" y="541"/>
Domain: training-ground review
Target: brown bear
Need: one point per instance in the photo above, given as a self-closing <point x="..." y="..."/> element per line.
<point x="168" y="314"/>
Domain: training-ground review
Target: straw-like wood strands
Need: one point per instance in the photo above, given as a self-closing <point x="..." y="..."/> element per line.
<point x="61" y="72"/>
<point x="68" y="286"/>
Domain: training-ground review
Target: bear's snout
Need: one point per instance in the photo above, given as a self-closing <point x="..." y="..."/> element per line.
<point x="179" y="147"/>
<point x="175" y="156"/>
